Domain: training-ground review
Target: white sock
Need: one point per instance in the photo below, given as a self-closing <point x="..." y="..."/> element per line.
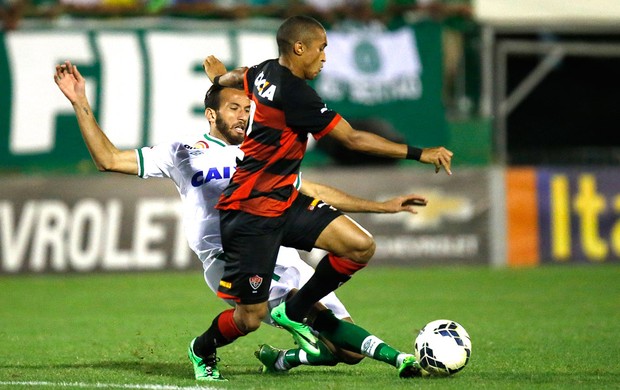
<point x="303" y="357"/>
<point x="400" y="358"/>
<point x="280" y="364"/>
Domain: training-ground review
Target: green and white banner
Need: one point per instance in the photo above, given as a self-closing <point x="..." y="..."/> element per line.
<point x="146" y="84"/>
<point x="370" y="68"/>
<point x="392" y="76"/>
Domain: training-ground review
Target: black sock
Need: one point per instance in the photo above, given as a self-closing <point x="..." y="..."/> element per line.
<point x="325" y="321"/>
<point x="325" y="280"/>
<point x="207" y="343"/>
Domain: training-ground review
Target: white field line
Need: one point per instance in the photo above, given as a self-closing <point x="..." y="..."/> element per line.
<point x="102" y="385"/>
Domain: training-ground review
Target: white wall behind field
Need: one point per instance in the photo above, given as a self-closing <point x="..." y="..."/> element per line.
<point x="590" y="12"/>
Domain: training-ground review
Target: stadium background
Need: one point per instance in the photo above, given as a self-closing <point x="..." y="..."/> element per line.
<point x="530" y="113"/>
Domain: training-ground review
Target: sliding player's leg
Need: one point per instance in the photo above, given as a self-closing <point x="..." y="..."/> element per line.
<point x="341" y="341"/>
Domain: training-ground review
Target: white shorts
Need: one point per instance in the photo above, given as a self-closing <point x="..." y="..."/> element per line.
<point x="291" y="272"/>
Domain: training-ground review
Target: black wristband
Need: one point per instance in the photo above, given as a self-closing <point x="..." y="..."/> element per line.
<point x="413" y="153"/>
<point x="216" y="81"/>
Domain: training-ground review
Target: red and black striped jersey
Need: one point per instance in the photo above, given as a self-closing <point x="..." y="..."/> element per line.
<point x="287" y="110"/>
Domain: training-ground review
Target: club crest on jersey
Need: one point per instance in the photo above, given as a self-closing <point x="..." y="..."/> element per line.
<point x="264" y="88"/>
<point x="255" y="281"/>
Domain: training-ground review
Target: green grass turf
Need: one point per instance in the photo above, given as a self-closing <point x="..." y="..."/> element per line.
<point x="549" y="327"/>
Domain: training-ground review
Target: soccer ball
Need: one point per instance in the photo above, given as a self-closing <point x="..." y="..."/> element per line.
<point x="442" y="347"/>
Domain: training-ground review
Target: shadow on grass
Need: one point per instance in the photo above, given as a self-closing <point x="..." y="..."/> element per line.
<point x="183" y="370"/>
<point x="172" y="370"/>
<point x="180" y="370"/>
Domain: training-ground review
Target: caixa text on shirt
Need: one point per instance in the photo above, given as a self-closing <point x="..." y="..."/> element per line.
<point x="215" y="173"/>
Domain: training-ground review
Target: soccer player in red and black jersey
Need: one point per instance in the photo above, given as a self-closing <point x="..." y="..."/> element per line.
<point x="261" y="209"/>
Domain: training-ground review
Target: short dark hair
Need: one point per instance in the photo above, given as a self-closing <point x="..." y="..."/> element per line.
<point x="212" y="97"/>
<point x="296" y="28"/>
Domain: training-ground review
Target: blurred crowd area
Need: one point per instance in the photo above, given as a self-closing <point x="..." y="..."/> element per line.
<point x="327" y="11"/>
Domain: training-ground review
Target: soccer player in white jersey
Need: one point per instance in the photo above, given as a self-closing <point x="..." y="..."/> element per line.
<point x="200" y="172"/>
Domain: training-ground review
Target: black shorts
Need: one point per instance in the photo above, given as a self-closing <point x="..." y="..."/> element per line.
<point x="305" y="220"/>
<point x="251" y="244"/>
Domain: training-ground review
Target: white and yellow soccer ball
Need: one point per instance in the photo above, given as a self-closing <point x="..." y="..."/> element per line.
<point x="442" y="347"/>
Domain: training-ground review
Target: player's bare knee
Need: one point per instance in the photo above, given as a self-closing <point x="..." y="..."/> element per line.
<point x="364" y="249"/>
<point x="370" y="249"/>
<point x="250" y="319"/>
<point x="253" y="325"/>
<point x="250" y="322"/>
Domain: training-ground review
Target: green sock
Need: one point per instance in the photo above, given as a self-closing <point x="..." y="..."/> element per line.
<point x="354" y="338"/>
<point x="296" y="357"/>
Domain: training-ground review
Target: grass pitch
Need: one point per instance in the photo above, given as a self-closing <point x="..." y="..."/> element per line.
<point x="548" y="327"/>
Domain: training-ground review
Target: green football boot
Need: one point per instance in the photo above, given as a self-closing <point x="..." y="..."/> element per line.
<point x="268" y="356"/>
<point x="410" y="368"/>
<point x="204" y="369"/>
<point x="301" y="332"/>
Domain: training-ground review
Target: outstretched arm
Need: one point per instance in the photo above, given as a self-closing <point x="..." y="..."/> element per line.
<point x="366" y="142"/>
<point x="352" y="204"/>
<point x="213" y="67"/>
<point x="103" y="152"/>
